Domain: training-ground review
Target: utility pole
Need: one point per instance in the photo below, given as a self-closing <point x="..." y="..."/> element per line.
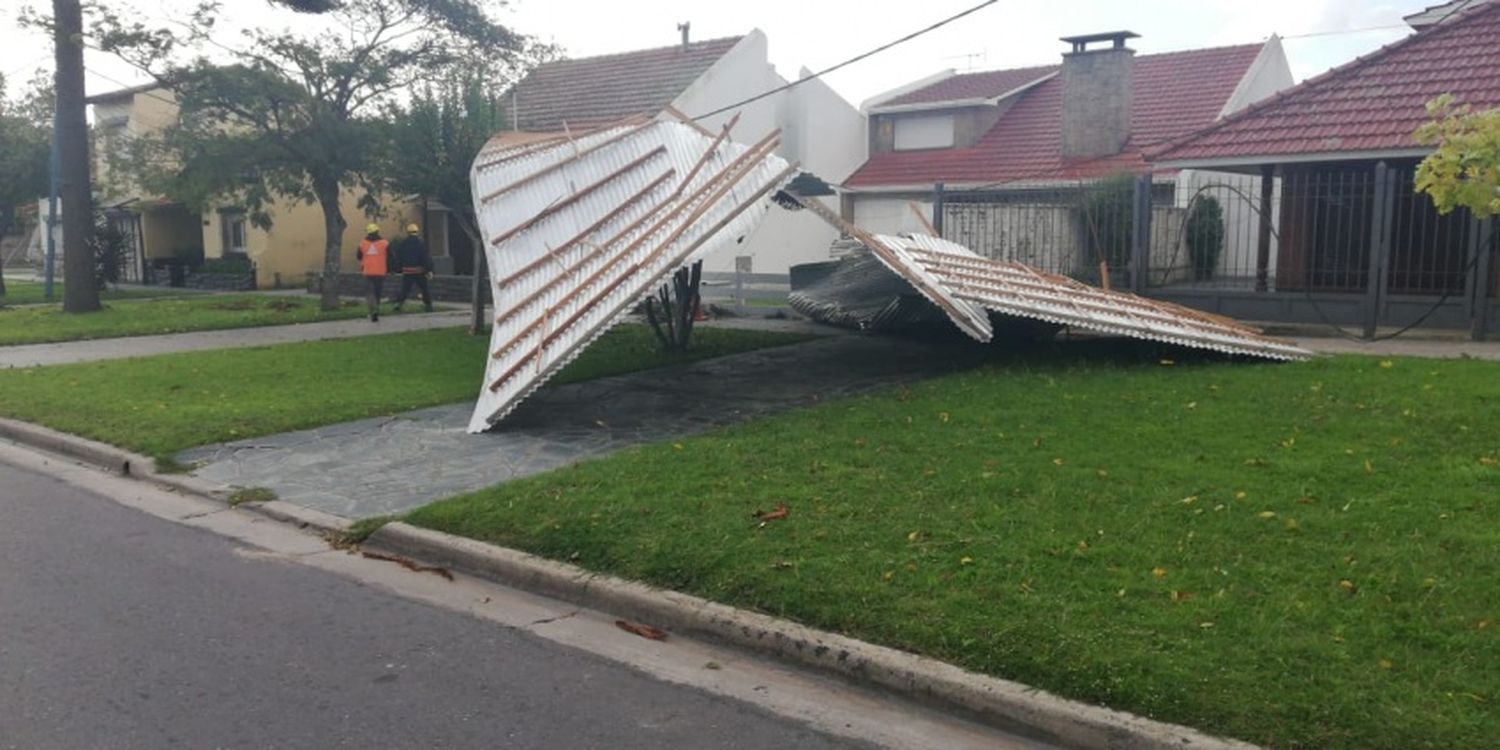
<point x="80" y="294"/>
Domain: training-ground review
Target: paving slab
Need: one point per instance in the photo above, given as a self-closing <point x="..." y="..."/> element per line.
<point x="1405" y="346"/>
<point x="394" y="464"/>
<point x="68" y="352"/>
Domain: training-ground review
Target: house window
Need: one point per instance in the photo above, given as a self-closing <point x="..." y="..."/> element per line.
<point x="233" y="231"/>
<point x="926" y="131"/>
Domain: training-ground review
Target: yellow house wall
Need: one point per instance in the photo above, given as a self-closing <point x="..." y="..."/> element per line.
<point x="164" y="231"/>
<point x="293" y="247"/>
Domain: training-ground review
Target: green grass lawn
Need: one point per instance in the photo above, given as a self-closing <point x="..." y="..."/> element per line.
<point x="1301" y="555"/>
<point x="161" y="405"/>
<point x="30" y="292"/>
<point x="40" y="324"/>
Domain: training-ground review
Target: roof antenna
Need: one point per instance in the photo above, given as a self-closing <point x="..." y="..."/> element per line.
<point x="683" y="27"/>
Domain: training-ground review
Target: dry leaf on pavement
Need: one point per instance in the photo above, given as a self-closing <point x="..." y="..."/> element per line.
<point x="644" y="631"/>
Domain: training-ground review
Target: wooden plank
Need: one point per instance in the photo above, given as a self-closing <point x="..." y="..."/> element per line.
<point x="708" y="154"/>
<point x="922" y="217"/>
<point x="761" y="149"/>
<point x="581" y="194"/>
<point x="537" y="175"/>
<point x="690" y="122"/>
<point x="585" y="234"/>
<point x="528" y="149"/>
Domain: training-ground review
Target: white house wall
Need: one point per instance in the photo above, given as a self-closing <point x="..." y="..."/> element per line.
<point x="820" y="130"/>
<point x="1269" y="74"/>
<point x="1238" y="195"/>
<point x="890" y="215"/>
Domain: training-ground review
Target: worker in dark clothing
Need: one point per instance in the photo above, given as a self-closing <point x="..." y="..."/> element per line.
<point x="415" y="266"/>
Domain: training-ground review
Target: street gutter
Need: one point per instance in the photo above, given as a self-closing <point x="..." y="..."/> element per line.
<point x="1006" y="705"/>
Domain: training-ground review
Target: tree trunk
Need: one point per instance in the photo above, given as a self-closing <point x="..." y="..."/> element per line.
<point x="82" y="292"/>
<point x="327" y="194"/>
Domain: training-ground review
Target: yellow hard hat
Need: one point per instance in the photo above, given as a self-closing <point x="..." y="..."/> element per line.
<point x="372" y="228"/>
<point x="412" y="229"/>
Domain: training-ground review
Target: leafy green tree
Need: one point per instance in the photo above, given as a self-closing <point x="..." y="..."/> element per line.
<point x="1464" y="172"/>
<point x="25" y="141"/>
<point x="293" y="115"/>
<point x="1107" y="210"/>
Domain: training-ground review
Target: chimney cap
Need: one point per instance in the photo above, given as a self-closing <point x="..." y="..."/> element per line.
<point x="1081" y="43"/>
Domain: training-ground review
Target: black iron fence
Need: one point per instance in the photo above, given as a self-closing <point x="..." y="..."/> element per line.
<point x="1347" y="245"/>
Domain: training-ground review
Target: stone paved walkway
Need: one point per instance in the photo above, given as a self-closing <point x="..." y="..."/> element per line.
<point x="389" y="465"/>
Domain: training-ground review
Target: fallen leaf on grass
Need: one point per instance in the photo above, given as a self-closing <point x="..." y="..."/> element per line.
<point x="781" y="511"/>
<point x="644" y="631"/>
<point x="1159" y="572"/>
<point x="411" y="565"/>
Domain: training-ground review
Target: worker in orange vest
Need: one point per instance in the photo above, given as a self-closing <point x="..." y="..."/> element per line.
<point x="374" y="255"/>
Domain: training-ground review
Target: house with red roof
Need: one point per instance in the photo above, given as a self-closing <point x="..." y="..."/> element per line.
<point x="1334" y="158"/>
<point x="708" y="82"/>
<point x="1094" y="114"/>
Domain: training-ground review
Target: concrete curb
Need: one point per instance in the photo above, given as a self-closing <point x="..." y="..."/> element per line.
<point x="125" y="463"/>
<point x="1007" y="705"/>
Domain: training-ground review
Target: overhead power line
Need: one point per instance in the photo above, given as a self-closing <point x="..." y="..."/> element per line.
<point x="848" y="62"/>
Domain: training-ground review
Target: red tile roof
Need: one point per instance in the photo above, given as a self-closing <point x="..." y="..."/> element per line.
<point x="1174" y="94"/>
<point x="1370" y="105"/>
<point x="597" y="90"/>
<point x="986" y="85"/>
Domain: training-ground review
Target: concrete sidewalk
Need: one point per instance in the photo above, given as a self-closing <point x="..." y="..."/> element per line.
<point x="1405" y="346"/>
<point x="67" y="352"/>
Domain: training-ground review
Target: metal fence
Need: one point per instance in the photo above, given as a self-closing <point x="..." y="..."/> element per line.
<point x="1351" y="245"/>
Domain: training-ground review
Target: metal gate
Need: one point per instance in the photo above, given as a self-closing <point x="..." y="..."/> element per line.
<point x="1352" y="246"/>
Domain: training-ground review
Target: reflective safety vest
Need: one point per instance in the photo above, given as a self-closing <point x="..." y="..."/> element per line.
<point x="373" y="255"/>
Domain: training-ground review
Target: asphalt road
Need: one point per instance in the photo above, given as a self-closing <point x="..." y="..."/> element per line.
<point x="123" y="630"/>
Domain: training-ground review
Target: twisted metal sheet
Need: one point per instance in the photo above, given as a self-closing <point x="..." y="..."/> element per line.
<point x="578" y="229"/>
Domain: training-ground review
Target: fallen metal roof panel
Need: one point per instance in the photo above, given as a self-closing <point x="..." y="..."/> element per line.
<point x="578" y="229"/>
<point x="966" y="285"/>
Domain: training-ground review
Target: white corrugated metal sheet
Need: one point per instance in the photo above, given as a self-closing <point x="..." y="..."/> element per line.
<point x="579" y="229"/>
<point x="965" y="285"/>
<point x="978" y="283"/>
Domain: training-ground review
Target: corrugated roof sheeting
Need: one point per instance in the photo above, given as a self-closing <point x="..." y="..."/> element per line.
<point x="966" y="286"/>
<point x="580" y="229"/>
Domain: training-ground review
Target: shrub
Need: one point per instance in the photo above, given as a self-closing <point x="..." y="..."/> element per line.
<point x="1205" y="236"/>
<point x="234" y="264"/>
<point x="1108" y="214"/>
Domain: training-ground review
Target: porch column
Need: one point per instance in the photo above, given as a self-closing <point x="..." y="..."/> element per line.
<point x="1263" y="249"/>
<point x="1140" y="239"/>
<point x="1383" y="198"/>
<point x="937" y="208"/>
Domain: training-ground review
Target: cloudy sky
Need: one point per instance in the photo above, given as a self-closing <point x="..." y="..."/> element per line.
<point x="820" y="33"/>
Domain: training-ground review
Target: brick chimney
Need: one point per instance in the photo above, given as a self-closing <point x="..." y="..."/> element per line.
<point x="1097" y="95"/>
